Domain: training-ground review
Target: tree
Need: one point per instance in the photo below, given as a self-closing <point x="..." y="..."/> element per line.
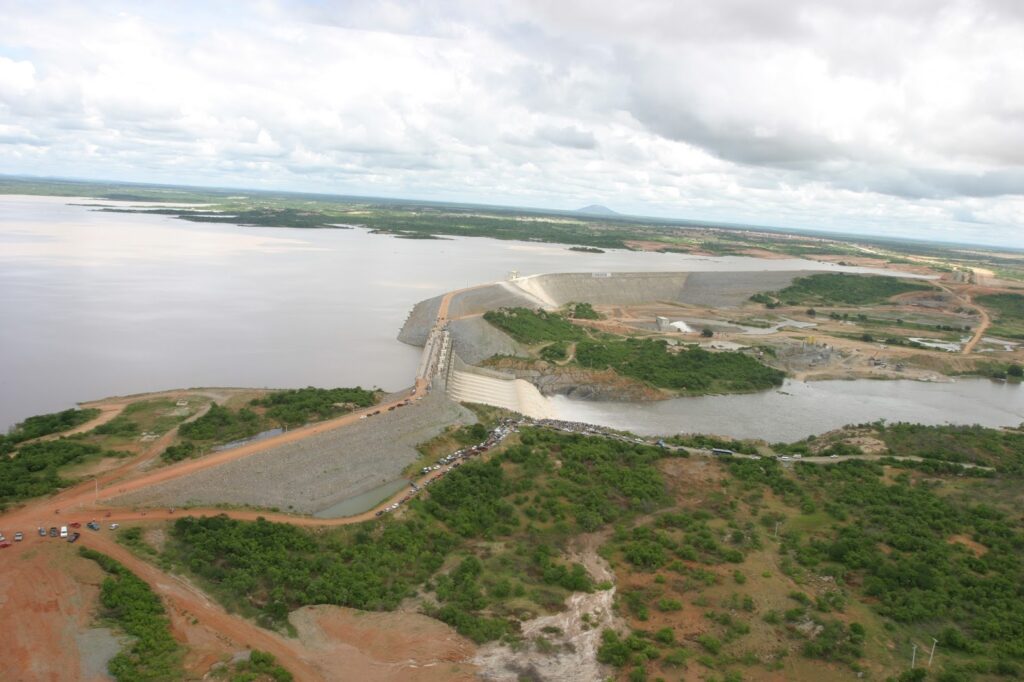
<point x="707" y="332"/>
<point x="1015" y="370"/>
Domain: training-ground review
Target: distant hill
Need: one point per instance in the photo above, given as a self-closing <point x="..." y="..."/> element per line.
<point x="597" y="209"/>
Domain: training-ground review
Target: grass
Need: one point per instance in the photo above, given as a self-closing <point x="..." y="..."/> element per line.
<point x="1008" y="313"/>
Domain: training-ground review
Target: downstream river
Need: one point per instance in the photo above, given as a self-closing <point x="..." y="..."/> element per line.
<point x="95" y="304"/>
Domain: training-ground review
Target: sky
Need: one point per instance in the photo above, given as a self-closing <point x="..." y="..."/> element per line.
<point x="901" y="118"/>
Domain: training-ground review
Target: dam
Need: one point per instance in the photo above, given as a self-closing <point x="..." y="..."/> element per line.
<point x="464" y="339"/>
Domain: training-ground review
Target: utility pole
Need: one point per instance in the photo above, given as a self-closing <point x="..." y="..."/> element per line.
<point x="913" y="658"/>
<point x="932" y="654"/>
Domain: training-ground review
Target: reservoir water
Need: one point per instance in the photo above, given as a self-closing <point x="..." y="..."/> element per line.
<point x="800" y="409"/>
<point x="94" y="304"/>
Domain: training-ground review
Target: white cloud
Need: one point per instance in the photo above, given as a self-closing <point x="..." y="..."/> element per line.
<point x="854" y="115"/>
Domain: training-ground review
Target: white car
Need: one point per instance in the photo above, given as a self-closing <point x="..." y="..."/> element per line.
<point x="115" y="526"/>
<point x="833" y="456"/>
<point x="784" y="458"/>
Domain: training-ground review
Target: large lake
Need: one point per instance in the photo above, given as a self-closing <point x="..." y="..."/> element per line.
<point x="94" y="304"/>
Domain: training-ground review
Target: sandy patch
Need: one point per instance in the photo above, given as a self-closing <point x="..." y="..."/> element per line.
<point x="359" y="645"/>
<point x="570" y="639"/>
<point x="976" y="547"/>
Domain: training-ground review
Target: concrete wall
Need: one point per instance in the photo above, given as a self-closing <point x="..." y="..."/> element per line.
<point x="719" y="289"/>
<point x="623" y="288"/>
<point x="475" y="340"/>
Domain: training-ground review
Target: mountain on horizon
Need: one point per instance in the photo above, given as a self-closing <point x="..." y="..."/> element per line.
<point x="597" y="209"/>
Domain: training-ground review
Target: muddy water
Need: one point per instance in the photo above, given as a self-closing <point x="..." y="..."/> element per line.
<point x="800" y="409"/>
<point x="95" y="304"/>
<point x="358" y="504"/>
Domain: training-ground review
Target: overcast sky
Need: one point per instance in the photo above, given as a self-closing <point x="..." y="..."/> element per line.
<point x="895" y="117"/>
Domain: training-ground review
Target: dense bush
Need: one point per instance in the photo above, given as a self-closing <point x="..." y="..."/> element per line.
<point x="842" y="288"/>
<point x="34" y="469"/>
<point x="299" y="406"/>
<point x="152" y="652"/>
<point x="534" y="326"/>
<point x="44" y="425"/>
<point x="222" y="425"/>
<point x="691" y="371"/>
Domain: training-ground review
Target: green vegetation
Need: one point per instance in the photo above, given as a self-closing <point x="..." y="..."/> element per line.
<point x="152" y="654"/>
<point x="300" y="406"/>
<point x="34" y="469"/>
<point x="692" y="371"/>
<point x="222" y="425"/>
<point x="259" y="667"/>
<point x="841" y="289"/>
<point x="582" y="311"/>
<point x="144" y="416"/>
<point x="1008" y="312"/>
<point x="280" y="409"/>
<point x="534" y="326"/>
<point x="922" y="578"/>
<point x="1001" y="449"/>
<point x="44" y="425"/>
<point x="519" y="500"/>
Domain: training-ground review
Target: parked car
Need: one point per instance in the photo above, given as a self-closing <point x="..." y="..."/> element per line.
<point x="63" y="531"/>
<point x="93" y="525"/>
<point x="74" y="537"/>
<point x="18" y="537"/>
<point x="42" y="532"/>
<point x="53" y="531"/>
<point x="4" y="545"/>
<point x="75" y="524"/>
<point x="115" y="526"/>
<point x="2" y="538"/>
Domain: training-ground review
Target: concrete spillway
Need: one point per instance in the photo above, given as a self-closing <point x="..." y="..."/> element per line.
<point x="511" y="394"/>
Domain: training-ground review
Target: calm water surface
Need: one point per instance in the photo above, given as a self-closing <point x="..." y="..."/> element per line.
<point x="95" y="304"/>
<point x="800" y="409"/>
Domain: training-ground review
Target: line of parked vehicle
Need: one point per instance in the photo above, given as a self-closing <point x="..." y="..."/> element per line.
<point x="67" y="532"/>
<point x="455" y="459"/>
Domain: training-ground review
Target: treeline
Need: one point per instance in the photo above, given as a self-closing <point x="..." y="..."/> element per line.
<point x="839" y="289"/>
<point x="295" y="407"/>
<point x="151" y="653"/>
<point x="534" y="326"/>
<point x="285" y="409"/>
<point x="44" y="425"/>
<point x="34" y="469"/>
<point x="690" y="371"/>
<point x="1002" y="449"/>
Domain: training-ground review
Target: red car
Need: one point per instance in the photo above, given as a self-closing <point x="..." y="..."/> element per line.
<point x="75" y="524"/>
<point x="4" y="545"/>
